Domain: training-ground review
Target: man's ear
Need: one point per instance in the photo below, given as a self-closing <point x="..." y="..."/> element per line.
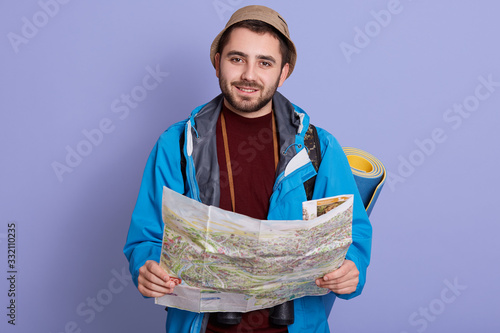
<point x="284" y="74"/>
<point x="217" y="64"/>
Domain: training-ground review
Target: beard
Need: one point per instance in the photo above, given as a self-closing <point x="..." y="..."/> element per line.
<point x="247" y="104"/>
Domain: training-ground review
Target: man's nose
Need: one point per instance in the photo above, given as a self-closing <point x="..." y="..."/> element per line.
<point x="249" y="73"/>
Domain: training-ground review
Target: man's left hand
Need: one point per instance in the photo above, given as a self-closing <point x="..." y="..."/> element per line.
<point x="342" y="280"/>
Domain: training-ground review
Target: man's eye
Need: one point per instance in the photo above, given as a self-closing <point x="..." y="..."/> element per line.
<point x="265" y="64"/>
<point x="236" y="60"/>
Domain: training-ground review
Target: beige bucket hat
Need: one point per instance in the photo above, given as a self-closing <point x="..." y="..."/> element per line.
<point x="259" y="13"/>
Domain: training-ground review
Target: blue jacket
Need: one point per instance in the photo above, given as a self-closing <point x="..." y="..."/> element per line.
<point x="198" y="178"/>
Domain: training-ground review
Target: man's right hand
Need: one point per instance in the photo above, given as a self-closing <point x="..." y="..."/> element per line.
<point x="153" y="281"/>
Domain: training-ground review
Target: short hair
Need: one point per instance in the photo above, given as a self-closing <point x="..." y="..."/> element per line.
<point x="258" y="27"/>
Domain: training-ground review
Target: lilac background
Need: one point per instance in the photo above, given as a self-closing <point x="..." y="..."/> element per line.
<point x="434" y="223"/>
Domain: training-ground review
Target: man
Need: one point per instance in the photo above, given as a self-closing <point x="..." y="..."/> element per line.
<point x="244" y="151"/>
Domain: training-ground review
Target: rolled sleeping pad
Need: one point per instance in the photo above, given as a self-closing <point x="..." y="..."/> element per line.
<point x="369" y="174"/>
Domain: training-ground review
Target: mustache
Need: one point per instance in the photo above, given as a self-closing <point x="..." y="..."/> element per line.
<point x="247" y="84"/>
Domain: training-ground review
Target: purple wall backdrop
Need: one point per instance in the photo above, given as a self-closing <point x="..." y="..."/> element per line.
<point x="416" y="83"/>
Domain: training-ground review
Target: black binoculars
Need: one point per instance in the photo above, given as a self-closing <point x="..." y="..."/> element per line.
<point x="278" y="315"/>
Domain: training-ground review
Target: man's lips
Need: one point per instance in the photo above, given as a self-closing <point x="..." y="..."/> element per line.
<point x="247" y="90"/>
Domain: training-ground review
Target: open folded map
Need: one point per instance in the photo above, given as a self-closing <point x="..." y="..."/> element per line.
<point x="223" y="261"/>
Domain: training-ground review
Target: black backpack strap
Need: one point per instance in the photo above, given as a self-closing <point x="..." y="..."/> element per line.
<point x="183" y="161"/>
<point x="311" y="141"/>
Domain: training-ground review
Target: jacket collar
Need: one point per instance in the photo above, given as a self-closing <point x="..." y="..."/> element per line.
<point x="201" y="145"/>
